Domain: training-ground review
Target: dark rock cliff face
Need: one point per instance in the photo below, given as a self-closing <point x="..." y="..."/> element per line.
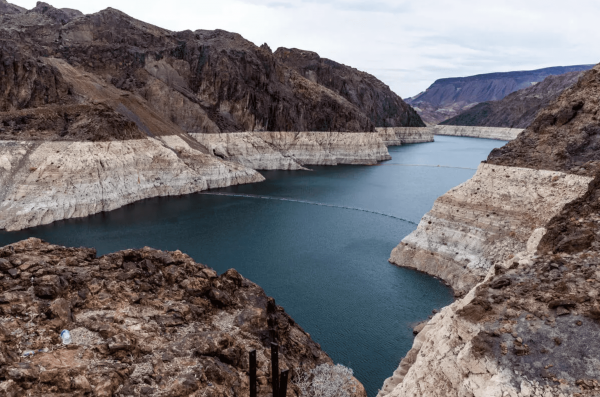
<point x="203" y="81"/>
<point x="142" y="322"/>
<point x="370" y="95"/>
<point x="518" y="109"/>
<point x="448" y="97"/>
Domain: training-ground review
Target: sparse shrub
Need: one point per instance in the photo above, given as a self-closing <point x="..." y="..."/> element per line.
<point x="326" y="381"/>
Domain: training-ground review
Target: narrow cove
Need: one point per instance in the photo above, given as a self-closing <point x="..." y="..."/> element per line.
<point x="316" y="241"/>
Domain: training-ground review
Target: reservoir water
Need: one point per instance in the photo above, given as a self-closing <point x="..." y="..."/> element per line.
<point x="316" y="241"/>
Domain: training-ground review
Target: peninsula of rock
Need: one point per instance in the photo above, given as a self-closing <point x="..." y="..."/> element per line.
<point x="520" y="245"/>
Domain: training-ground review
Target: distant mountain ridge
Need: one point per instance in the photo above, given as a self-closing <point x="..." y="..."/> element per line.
<point x="517" y="110"/>
<point x="448" y="97"/>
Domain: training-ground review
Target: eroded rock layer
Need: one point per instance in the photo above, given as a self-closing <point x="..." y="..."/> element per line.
<point x="484" y="220"/>
<point x="142" y="322"/>
<point x="503" y="134"/>
<point x="396" y="136"/>
<point x="47" y="181"/>
<point x="292" y="150"/>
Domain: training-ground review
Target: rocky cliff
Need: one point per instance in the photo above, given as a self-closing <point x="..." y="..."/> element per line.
<point x="518" y="109"/>
<point x="203" y="81"/>
<point x="383" y="107"/>
<point x="98" y="111"/>
<point x="522" y="240"/>
<point x="142" y="322"/>
<point x="446" y="98"/>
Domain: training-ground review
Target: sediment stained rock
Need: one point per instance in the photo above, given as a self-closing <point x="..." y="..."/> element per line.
<point x="503" y="134"/>
<point x="293" y="150"/>
<point x="396" y="136"/>
<point x="48" y="181"/>
<point x="484" y="220"/>
<point x="142" y="322"/>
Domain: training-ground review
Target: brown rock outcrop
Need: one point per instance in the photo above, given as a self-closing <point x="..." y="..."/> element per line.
<point x="370" y="95"/>
<point x="142" y="322"/>
<point x="204" y="81"/>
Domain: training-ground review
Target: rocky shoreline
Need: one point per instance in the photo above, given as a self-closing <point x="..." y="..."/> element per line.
<point x="46" y="181"/>
<point x="520" y="242"/>
<point x="503" y="134"/>
<point x="293" y="150"/>
<point x="142" y="322"/>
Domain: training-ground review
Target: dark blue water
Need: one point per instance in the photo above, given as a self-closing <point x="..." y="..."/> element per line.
<point x="324" y="259"/>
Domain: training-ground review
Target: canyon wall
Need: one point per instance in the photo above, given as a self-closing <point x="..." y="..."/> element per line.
<point x="522" y="240"/>
<point x="486" y="219"/>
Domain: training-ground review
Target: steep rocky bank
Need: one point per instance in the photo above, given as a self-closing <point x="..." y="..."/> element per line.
<point x="528" y="323"/>
<point x="48" y="181"/>
<point x="448" y="97"/>
<point x="396" y="136"/>
<point x="142" y="322"/>
<point x="293" y="150"/>
<point x="517" y="110"/>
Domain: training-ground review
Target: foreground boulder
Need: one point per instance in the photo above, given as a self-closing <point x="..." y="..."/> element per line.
<point x="142" y="322"/>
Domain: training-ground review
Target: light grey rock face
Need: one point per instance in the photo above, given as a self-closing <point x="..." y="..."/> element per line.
<point x="503" y="134"/>
<point x="48" y="181"/>
<point x="396" y="136"/>
<point x="293" y="150"/>
<point x="447" y="360"/>
<point x="484" y="220"/>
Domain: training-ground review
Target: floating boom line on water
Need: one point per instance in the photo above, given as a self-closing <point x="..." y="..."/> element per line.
<point x="426" y="165"/>
<point x="255" y="196"/>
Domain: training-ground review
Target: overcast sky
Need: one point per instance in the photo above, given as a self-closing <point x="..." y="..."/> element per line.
<point x="407" y="44"/>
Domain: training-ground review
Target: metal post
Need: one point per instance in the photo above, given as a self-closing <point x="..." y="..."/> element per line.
<point x="283" y="383"/>
<point x="253" y="373"/>
<point x="275" y="368"/>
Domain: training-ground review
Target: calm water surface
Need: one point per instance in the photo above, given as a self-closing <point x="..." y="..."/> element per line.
<point x="323" y="257"/>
